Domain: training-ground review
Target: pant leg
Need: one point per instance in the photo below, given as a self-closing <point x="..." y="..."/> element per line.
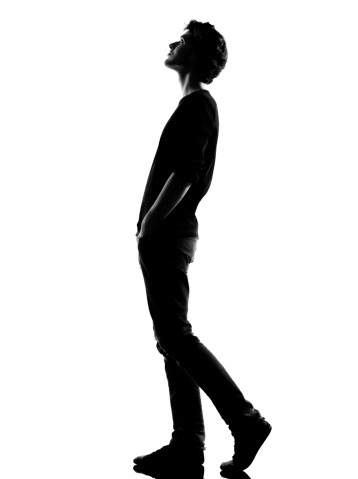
<point x="165" y="275"/>
<point x="185" y="400"/>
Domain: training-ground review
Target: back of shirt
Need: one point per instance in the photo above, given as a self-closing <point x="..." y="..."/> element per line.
<point x="187" y="147"/>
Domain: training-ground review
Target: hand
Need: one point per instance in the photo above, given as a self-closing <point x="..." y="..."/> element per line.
<point x="147" y="227"/>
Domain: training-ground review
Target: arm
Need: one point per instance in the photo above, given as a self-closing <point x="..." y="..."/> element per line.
<point x="172" y="193"/>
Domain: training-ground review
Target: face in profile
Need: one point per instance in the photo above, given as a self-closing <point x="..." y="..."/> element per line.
<point x="180" y="55"/>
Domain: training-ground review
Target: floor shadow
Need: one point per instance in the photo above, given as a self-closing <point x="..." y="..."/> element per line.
<point x="197" y="474"/>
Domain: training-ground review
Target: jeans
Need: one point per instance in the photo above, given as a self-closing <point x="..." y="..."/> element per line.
<point x="189" y="365"/>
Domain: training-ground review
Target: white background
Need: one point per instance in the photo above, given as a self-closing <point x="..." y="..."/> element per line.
<point x="84" y="98"/>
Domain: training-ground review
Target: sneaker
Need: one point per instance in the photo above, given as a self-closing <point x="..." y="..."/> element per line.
<point x="247" y="445"/>
<point x="172" y="460"/>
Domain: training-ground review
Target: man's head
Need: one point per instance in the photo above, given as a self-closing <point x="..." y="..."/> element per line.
<point x="201" y="49"/>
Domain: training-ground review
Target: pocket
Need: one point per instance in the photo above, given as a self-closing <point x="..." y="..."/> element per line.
<point x="147" y="245"/>
<point x="145" y="239"/>
<point x="180" y="260"/>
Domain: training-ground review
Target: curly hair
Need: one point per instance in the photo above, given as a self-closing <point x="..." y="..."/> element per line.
<point x="211" y="48"/>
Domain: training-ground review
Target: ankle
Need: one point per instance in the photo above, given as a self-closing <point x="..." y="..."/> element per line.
<point x="185" y="445"/>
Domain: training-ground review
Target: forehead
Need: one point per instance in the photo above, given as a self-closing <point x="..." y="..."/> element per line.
<point x="187" y="36"/>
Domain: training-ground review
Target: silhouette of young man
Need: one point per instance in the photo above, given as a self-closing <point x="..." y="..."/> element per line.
<point x="167" y="234"/>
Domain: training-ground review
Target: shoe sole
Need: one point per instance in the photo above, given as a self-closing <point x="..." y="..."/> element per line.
<point x="237" y="475"/>
<point x="189" y="472"/>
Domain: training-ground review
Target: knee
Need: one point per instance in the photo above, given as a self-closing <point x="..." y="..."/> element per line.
<point x="177" y="347"/>
<point x="161" y="350"/>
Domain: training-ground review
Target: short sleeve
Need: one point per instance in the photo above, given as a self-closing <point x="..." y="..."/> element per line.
<point x="195" y="131"/>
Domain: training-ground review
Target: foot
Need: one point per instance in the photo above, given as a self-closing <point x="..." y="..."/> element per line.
<point x="172" y="460"/>
<point x="248" y="440"/>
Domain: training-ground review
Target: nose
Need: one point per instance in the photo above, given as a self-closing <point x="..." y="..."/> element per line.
<point x="172" y="45"/>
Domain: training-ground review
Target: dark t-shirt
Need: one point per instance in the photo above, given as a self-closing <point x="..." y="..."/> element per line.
<point x="187" y="147"/>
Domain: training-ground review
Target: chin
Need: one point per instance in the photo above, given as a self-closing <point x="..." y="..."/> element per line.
<point x="168" y="64"/>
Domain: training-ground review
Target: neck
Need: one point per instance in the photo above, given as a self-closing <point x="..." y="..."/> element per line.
<point x="189" y="83"/>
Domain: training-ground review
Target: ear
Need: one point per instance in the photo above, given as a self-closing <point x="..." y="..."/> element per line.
<point x="194" y="57"/>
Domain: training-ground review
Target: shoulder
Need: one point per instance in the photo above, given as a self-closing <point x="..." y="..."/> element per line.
<point x="202" y="101"/>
